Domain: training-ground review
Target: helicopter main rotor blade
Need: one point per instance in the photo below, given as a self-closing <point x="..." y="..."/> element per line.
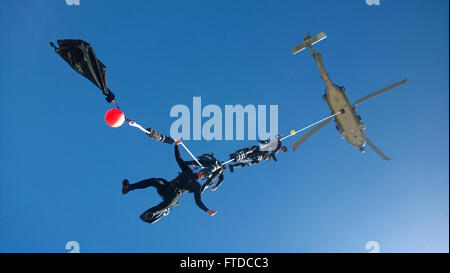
<point x="377" y="150"/>
<point x="379" y="92"/>
<point x="312" y="131"/>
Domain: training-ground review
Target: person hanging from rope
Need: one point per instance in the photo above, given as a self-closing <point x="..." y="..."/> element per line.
<point x="248" y="157"/>
<point x="213" y="168"/>
<point x="272" y="145"/>
<point x="170" y="191"/>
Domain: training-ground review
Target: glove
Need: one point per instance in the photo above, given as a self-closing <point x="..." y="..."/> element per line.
<point x="211" y="212"/>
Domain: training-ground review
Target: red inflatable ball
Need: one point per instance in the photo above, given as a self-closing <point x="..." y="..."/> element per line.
<point x="114" y="117"/>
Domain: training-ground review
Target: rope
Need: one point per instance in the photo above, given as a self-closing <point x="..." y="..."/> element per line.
<point x="227" y="162"/>
<point x="134" y="124"/>
<point x="187" y="150"/>
<point x="296" y="132"/>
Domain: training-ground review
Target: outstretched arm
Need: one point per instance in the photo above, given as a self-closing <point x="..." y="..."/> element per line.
<point x="180" y="161"/>
<point x="198" y="201"/>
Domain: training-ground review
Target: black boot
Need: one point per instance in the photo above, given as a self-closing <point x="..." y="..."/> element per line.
<point x="125" y="186"/>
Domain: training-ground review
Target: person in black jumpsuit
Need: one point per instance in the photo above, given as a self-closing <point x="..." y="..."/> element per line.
<point x="170" y="191"/>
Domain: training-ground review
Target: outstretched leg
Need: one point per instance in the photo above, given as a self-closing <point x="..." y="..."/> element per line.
<point x="162" y="209"/>
<point x="158" y="183"/>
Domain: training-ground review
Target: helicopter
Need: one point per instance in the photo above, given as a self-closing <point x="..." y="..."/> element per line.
<point x="348" y="122"/>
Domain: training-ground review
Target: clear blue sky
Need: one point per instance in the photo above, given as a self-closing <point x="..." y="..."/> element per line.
<point x="61" y="166"/>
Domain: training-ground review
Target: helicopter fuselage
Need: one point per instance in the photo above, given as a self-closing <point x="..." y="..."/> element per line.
<point x="348" y="122"/>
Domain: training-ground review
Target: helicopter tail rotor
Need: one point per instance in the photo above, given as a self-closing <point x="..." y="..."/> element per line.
<point x="309" y="41"/>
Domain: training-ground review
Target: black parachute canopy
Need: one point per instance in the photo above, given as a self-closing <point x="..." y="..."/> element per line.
<point x="81" y="57"/>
